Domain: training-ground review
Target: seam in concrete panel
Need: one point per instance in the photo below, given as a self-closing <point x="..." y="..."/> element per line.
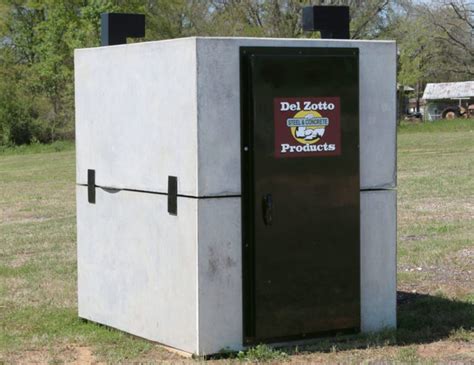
<point x="114" y="189"/>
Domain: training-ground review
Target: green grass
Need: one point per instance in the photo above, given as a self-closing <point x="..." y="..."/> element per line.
<point x="456" y="125"/>
<point x="32" y="148"/>
<point x="38" y="308"/>
<point x="435" y="194"/>
<point x="262" y="353"/>
<point x="46" y="327"/>
<point x="407" y="355"/>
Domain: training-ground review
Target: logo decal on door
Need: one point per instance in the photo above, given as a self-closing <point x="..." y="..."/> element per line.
<point x="307" y="126"/>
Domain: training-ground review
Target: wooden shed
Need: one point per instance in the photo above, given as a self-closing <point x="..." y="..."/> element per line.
<point x="449" y="100"/>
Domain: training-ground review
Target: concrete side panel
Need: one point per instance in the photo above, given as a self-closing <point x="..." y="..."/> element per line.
<point x="377" y="115"/>
<point x="137" y="265"/>
<point x="378" y="260"/>
<point x="220" y="275"/>
<point x="136" y="120"/>
<point x="218" y="78"/>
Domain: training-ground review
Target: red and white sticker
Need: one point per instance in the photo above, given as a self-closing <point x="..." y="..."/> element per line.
<point x="307" y="126"/>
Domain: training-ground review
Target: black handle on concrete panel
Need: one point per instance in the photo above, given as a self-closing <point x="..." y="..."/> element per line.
<point x="173" y="195"/>
<point x="267" y="205"/>
<point x="91" y="186"/>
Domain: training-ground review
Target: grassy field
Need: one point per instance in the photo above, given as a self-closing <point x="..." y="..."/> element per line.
<point x="38" y="315"/>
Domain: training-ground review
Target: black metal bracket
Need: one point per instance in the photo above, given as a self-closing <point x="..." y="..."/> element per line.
<point x="331" y="21"/>
<point x="173" y="195"/>
<point x="91" y="186"/>
<point x="115" y="27"/>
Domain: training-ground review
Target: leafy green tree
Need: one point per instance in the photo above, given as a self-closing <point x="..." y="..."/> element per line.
<point x="38" y="38"/>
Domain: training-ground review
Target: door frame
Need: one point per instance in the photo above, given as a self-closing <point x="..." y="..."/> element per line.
<point x="248" y="257"/>
<point x="247" y="185"/>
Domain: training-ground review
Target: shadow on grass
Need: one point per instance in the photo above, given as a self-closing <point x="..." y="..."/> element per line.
<point x="425" y="318"/>
<point x="421" y="319"/>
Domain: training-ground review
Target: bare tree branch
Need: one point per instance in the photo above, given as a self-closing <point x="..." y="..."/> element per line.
<point x="378" y="9"/>
<point x="460" y="15"/>
<point x="454" y="39"/>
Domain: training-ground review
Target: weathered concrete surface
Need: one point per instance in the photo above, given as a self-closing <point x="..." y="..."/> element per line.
<point x="220" y="274"/>
<point x="136" y="104"/>
<point x="136" y="120"/>
<point x="137" y="265"/>
<point x="378" y="260"/>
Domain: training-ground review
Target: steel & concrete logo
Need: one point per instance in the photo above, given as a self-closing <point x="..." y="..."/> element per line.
<point x="307" y="126"/>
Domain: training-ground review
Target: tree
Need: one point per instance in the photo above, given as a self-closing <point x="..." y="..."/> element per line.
<point x="38" y="38"/>
<point x="282" y="18"/>
<point x="454" y="22"/>
<point x="435" y="45"/>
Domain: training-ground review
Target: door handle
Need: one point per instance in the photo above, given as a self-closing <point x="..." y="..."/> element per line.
<point x="267" y="205"/>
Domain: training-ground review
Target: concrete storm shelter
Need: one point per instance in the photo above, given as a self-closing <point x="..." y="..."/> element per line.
<point x="234" y="191"/>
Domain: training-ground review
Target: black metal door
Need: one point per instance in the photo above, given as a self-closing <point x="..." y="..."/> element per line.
<point x="300" y="182"/>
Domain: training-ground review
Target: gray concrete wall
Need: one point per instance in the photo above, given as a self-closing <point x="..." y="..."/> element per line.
<point x="137" y="265"/>
<point x="218" y="80"/>
<point x="378" y="279"/>
<point x="136" y="119"/>
<point x="220" y="274"/>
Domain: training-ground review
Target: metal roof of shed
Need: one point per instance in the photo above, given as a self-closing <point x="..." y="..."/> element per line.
<point x="449" y="90"/>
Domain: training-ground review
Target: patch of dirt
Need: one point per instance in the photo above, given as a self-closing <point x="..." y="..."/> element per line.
<point x="413" y="237"/>
<point x="427" y="286"/>
<point x="466" y="257"/>
<point x="454" y="277"/>
<point x="84" y="355"/>
<point x="74" y="355"/>
<point x="165" y="355"/>
<point x="14" y="214"/>
<point x="442" y="274"/>
<point x="440" y="351"/>
<point x="372" y="355"/>
<point x="447" y="351"/>
<point x="20" y="259"/>
<point x="29" y="357"/>
<point x="424" y="210"/>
